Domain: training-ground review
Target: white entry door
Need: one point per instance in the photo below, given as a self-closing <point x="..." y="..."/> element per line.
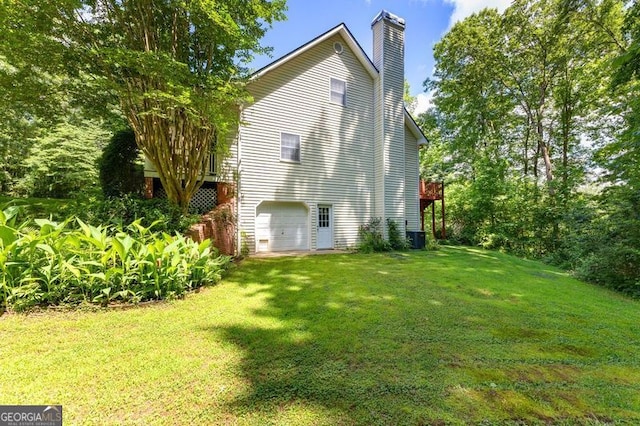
<point x="325" y="227"/>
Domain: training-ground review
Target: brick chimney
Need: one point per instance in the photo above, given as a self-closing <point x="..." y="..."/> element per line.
<point x="388" y="57"/>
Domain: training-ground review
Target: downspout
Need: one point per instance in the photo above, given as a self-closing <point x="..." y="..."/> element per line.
<point x="238" y="197"/>
<point x="383" y="139"/>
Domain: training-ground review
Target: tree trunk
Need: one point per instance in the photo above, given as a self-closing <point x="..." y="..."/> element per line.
<point x="175" y="142"/>
<point x="546" y="156"/>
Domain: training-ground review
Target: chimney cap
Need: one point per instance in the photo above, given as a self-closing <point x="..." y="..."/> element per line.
<point x="388" y="16"/>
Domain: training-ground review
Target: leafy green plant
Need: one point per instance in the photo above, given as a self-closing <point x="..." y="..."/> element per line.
<point x="62" y="163"/>
<point x="397" y="241"/>
<point x="124" y="210"/>
<point x="371" y="238"/>
<point x="431" y="243"/>
<point x="121" y="171"/>
<point x="49" y="263"/>
<point x="244" y="244"/>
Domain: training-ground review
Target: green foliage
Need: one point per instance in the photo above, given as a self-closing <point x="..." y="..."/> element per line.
<point x="506" y="215"/>
<point x="116" y="212"/>
<point x="605" y="248"/>
<point x="31" y="208"/>
<point x="410" y="102"/>
<point x="397" y="241"/>
<point x="49" y="263"/>
<point x="431" y="243"/>
<point x="602" y="245"/>
<point x="17" y="135"/>
<point x="121" y="171"/>
<point x="123" y="211"/>
<point x="177" y="69"/>
<point x="244" y="245"/>
<point x="435" y="162"/>
<point x="627" y="64"/>
<point x="62" y="163"/>
<point x="371" y="238"/>
<point x="523" y="99"/>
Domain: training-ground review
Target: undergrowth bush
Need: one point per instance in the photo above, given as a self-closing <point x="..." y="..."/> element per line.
<point x="397" y="241"/>
<point x="62" y="163"/>
<point x="117" y="211"/>
<point x="43" y="262"/>
<point x="120" y="168"/>
<point x="371" y="238"/>
<point x="124" y="210"/>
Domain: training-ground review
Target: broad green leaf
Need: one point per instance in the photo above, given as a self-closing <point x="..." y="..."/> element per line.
<point x="7" y="235"/>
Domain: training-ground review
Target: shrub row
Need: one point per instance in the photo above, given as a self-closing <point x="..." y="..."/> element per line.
<point x="124" y="210"/>
<point x="119" y="212"/>
<point x="372" y="240"/>
<point x="48" y="263"/>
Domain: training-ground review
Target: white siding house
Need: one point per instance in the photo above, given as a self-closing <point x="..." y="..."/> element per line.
<point x="326" y="144"/>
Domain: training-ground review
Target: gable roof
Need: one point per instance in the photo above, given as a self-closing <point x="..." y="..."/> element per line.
<point x="359" y="52"/>
<point x="339" y="29"/>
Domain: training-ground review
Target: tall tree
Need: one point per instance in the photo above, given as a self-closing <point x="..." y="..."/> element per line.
<point x="518" y="94"/>
<point x="621" y="158"/>
<point x="607" y="249"/>
<point x="62" y="162"/>
<point x="175" y="67"/>
<point x="410" y="102"/>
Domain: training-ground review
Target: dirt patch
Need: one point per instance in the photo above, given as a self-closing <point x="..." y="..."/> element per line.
<point x="543" y="373"/>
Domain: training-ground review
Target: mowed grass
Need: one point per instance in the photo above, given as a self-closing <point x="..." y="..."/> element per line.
<point x="456" y="336"/>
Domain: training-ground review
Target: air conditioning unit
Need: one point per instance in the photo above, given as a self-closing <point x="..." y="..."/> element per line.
<point x="418" y="239"/>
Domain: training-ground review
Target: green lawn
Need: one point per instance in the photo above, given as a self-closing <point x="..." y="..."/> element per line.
<point x="455" y="336"/>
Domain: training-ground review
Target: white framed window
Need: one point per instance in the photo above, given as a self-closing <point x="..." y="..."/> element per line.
<point x="290" y="147"/>
<point x="212" y="165"/>
<point x="339" y="91"/>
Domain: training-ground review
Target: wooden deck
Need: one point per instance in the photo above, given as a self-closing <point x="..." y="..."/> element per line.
<point x="430" y="192"/>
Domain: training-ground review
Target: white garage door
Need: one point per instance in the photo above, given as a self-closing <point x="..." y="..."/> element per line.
<point x="282" y="226"/>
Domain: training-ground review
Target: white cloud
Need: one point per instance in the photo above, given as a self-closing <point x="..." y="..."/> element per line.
<point x="423" y="103"/>
<point x="464" y="8"/>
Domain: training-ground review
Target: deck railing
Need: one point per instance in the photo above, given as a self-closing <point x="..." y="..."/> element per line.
<point x="429" y="193"/>
<point x="431" y="190"/>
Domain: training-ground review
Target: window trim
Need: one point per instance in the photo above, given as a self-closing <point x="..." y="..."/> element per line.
<point x="331" y="92"/>
<point x="212" y="170"/>
<point x="299" y="148"/>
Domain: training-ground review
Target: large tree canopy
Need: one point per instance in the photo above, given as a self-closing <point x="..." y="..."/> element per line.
<point x="523" y="85"/>
<point x="536" y="129"/>
<point x="175" y="67"/>
<point x="622" y="157"/>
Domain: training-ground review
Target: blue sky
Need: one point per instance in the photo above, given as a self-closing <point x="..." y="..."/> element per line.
<point x="427" y="21"/>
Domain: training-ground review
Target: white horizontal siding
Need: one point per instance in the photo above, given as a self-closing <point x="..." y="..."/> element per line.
<point x="411" y="179"/>
<point x="336" y="162"/>
<point x="392" y="88"/>
<point x="379" y="128"/>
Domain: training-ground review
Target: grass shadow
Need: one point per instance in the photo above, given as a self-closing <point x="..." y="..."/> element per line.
<point x="344" y="340"/>
<point x="427" y="338"/>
